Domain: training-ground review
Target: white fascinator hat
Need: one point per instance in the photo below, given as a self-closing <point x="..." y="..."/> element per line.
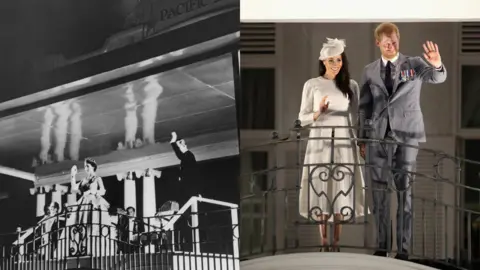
<point x="332" y="48"/>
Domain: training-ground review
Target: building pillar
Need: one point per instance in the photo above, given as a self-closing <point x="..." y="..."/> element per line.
<point x="150" y="204"/>
<point x="57" y="196"/>
<point x="130" y="193"/>
<point x="149" y="198"/>
<point x="129" y="189"/>
<point x="41" y="200"/>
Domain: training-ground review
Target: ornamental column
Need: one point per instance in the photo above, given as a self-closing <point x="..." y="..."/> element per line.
<point x="129" y="190"/>
<point x="149" y="204"/>
<point x="149" y="201"/>
<point x="57" y="193"/>
<point x="41" y="200"/>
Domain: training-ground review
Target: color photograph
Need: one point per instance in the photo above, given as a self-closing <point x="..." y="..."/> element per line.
<point x="359" y="140"/>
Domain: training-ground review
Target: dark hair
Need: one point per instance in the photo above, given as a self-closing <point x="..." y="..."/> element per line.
<point x="131" y="207"/>
<point x="92" y="163"/>
<point x="342" y="80"/>
<point x="55" y="205"/>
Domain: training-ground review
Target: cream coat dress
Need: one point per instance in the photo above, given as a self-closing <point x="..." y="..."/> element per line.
<point x="333" y="188"/>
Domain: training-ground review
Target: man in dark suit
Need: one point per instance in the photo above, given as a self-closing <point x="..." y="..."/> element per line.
<point x="189" y="186"/>
<point x="390" y="105"/>
<point x="57" y="226"/>
<point x="49" y="229"/>
<point x="187" y="171"/>
<point x="127" y="231"/>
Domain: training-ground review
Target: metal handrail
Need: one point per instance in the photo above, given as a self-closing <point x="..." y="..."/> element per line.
<point x="443" y="227"/>
<point x="176" y="239"/>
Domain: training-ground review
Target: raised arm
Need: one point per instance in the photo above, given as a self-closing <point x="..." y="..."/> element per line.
<point x="365" y="104"/>
<point x="73" y="181"/>
<point x="428" y="73"/>
<point x="176" y="150"/>
<point x="173" y="143"/>
<point x="307" y="115"/>
<point x="433" y="72"/>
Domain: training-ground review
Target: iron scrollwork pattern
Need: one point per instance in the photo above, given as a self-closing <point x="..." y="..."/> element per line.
<point x="443" y="228"/>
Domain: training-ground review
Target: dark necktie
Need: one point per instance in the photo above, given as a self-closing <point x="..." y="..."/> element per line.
<point x="389" y="86"/>
<point x="388" y="77"/>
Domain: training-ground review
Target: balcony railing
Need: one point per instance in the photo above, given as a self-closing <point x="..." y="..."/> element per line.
<point x="173" y="239"/>
<point x="290" y="205"/>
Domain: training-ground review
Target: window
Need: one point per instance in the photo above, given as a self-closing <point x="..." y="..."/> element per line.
<point x="257" y="110"/>
<point x="470" y="99"/>
<point x="472" y="197"/>
<point x="253" y="218"/>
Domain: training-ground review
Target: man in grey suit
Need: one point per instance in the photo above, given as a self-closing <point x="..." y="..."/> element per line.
<point x="390" y="107"/>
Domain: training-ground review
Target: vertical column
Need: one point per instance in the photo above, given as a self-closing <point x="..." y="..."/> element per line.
<point x="40" y="202"/>
<point x="149" y="199"/>
<point x="149" y="204"/>
<point x="130" y="193"/>
<point x="196" y="230"/>
<point x="57" y="196"/>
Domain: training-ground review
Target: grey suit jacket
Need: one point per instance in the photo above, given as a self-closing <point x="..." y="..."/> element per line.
<point x="402" y="108"/>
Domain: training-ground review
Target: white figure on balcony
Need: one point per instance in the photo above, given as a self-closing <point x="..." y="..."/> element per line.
<point x="92" y="190"/>
<point x="90" y="215"/>
<point x="331" y="187"/>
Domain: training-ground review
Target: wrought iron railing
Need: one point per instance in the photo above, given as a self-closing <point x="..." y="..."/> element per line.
<point x="83" y="237"/>
<point x="445" y="229"/>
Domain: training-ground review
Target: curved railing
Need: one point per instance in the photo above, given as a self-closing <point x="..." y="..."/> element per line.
<point x="84" y="237"/>
<point x="444" y="230"/>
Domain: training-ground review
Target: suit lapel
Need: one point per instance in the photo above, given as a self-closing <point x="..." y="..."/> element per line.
<point x="398" y="67"/>
<point x="377" y="77"/>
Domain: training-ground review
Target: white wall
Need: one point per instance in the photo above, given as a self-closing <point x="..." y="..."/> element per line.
<point x="296" y="60"/>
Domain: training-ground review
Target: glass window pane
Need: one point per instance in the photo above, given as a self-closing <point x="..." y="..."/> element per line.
<point x="254" y="162"/>
<point x="470" y="96"/>
<point x="257" y="98"/>
<point x="472" y="197"/>
<point x="253" y="202"/>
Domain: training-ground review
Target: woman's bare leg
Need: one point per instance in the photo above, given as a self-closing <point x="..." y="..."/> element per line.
<point x="337" y="231"/>
<point x="323" y="231"/>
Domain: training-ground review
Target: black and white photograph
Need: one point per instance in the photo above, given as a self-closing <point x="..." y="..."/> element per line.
<point x="43" y="37"/>
<point x="132" y="165"/>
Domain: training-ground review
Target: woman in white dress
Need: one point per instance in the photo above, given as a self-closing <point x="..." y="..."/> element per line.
<point x="334" y="192"/>
<point x="91" y="211"/>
